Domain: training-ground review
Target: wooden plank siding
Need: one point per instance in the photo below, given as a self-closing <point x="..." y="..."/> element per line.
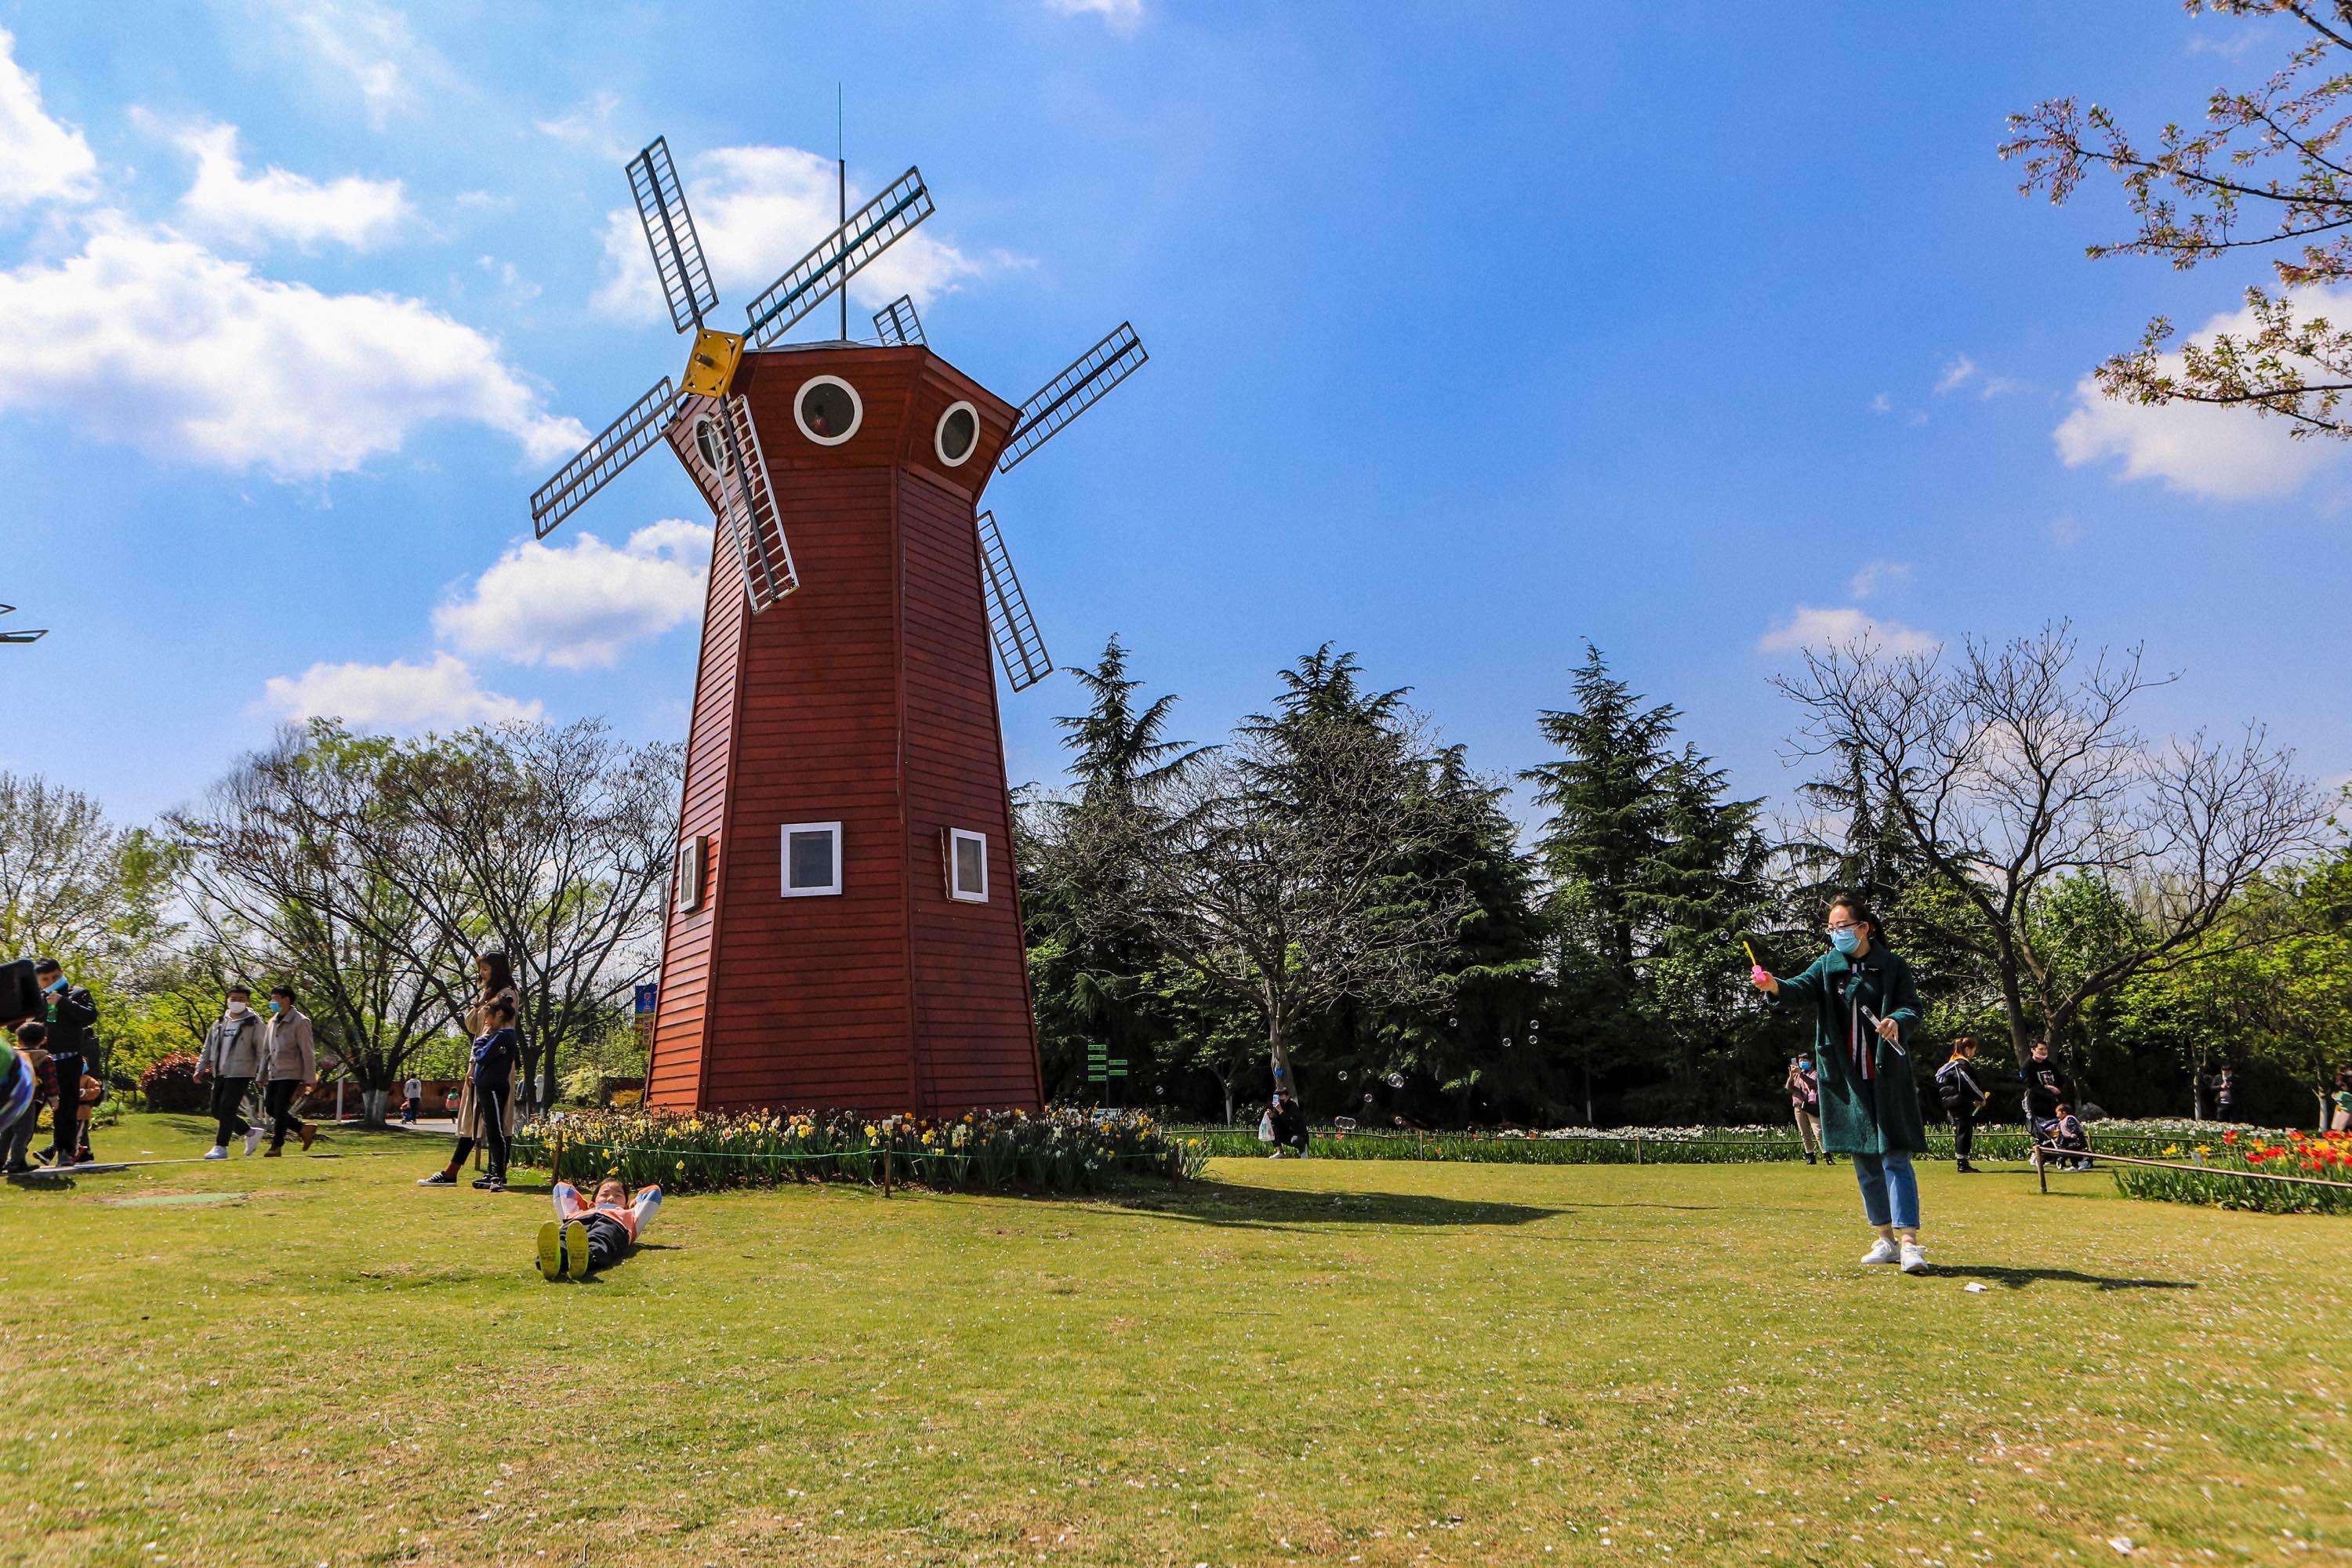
<point x="866" y="697"/>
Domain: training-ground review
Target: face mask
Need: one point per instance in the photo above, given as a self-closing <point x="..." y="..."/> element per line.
<point x="1846" y="940"/>
<point x="273" y="1006"/>
<point x="59" y="983"/>
<point x="237" y="1009"/>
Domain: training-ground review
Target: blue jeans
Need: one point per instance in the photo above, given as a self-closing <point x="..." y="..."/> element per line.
<point x="1890" y="1192"/>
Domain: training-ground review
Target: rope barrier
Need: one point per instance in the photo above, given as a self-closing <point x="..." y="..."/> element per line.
<point x="2042" y="1168"/>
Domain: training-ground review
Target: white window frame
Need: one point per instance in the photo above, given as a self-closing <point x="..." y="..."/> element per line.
<point x="693" y="858"/>
<point x="956" y="892"/>
<point x="856" y="410"/>
<point x="939" y="436"/>
<point x="785" y="843"/>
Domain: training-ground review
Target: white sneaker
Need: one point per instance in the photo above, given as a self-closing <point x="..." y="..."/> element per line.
<point x="217" y="1152"/>
<point x="1915" y="1258"/>
<point x="252" y="1139"/>
<point x="1881" y="1251"/>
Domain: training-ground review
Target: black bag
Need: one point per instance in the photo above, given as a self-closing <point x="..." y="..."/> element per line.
<point x="19" y="996"/>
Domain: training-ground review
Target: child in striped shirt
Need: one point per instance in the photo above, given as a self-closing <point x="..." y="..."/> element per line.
<point x="584" y="1236"/>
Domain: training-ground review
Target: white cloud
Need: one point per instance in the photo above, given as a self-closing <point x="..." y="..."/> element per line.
<point x="152" y="340"/>
<point x="250" y="210"/>
<point x="1118" y="15"/>
<point x="398" y="697"/>
<point x="360" y="45"/>
<point x="1821" y="630"/>
<point x="589" y="126"/>
<point x="2223" y="454"/>
<point x="1877" y="574"/>
<point x="575" y="607"/>
<point x="757" y="210"/>
<point x="1881" y="404"/>
<point x="41" y="160"/>
<point x="1956" y="374"/>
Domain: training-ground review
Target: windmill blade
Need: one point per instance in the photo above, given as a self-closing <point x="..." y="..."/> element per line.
<point x="897" y="322"/>
<point x="1009" y="622"/>
<point x="748" y="511"/>
<point x="620" y="444"/>
<point x="1072" y="393"/>
<point x="871" y="230"/>
<point x="669" y="229"/>
<point x="26" y="636"/>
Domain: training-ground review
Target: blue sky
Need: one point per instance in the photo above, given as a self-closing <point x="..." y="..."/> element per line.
<point x="1476" y="330"/>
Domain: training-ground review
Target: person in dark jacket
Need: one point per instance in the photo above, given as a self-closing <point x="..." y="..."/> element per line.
<point x="72" y="1020"/>
<point x="491" y="1076"/>
<point x="1864" y="1004"/>
<point x="1290" y="1124"/>
<point x="1962" y="1097"/>
<point x="496" y="984"/>
<point x="2046" y="1088"/>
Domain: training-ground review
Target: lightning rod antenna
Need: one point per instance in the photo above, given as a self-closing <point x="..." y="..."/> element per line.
<point x="841" y="172"/>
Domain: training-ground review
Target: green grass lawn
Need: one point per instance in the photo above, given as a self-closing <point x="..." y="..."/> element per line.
<point x="1342" y="1362"/>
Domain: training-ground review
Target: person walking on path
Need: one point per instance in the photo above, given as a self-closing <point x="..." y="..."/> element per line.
<point x="231" y="1060"/>
<point x="412" y="1099"/>
<point x="495" y="981"/>
<point x="1863" y="1003"/>
<point x="1805" y="1103"/>
<point x="2341" y="1120"/>
<point x="1963" y="1097"/>
<point x="290" y="1065"/>
<point x="72" y="1020"/>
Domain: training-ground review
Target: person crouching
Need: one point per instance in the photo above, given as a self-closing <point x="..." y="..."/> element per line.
<point x="585" y="1235"/>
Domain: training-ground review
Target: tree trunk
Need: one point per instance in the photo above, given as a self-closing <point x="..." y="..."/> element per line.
<point x="1278" y="1047"/>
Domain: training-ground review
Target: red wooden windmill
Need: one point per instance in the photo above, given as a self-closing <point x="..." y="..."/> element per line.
<point x="844" y="930"/>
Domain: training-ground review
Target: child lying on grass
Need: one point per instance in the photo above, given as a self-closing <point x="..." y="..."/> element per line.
<point x="584" y="1236"/>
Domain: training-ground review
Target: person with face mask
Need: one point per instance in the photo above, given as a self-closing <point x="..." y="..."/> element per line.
<point x="232" y="1059"/>
<point x="71" y="1018"/>
<point x="289" y="1062"/>
<point x="1864" y="1005"/>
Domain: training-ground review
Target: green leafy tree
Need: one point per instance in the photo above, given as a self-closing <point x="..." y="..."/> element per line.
<point x="1653" y="873"/>
<point x="1080" y="875"/>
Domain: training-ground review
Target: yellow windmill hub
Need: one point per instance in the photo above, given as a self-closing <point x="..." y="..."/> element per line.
<point x="710" y="368"/>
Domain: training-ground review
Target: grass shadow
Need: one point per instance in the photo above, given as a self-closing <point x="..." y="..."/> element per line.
<point x="1269" y="1208"/>
<point x="2019" y="1279"/>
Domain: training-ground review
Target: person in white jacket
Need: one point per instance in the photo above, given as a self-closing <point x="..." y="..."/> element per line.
<point x="231" y="1060"/>
<point x="290" y="1065"/>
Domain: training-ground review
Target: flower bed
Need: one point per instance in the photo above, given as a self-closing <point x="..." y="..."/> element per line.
<point x="1064" y="1151"/>
<point x="2327" y="1156"/>
<point x="1659" y="1145"/>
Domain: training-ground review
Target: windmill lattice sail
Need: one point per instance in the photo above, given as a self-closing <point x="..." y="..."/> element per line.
<point x="620" y="444"/>
<point x="1018" y="643"/>
<point x="1072" y="393"/>
<point x="897" y="322"/>
<point x="669" y="229"/>
<point x="871" y="230"/>
<point x="751" y="518"/>
<point x="27" y="634"/>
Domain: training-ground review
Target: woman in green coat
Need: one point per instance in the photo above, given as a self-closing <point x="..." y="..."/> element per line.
<point x="1864" y="1006"/>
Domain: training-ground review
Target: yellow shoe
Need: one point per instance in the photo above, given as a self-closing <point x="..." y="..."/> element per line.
<point x="550" y="1250"/>
<point x="575" y="1250"/>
